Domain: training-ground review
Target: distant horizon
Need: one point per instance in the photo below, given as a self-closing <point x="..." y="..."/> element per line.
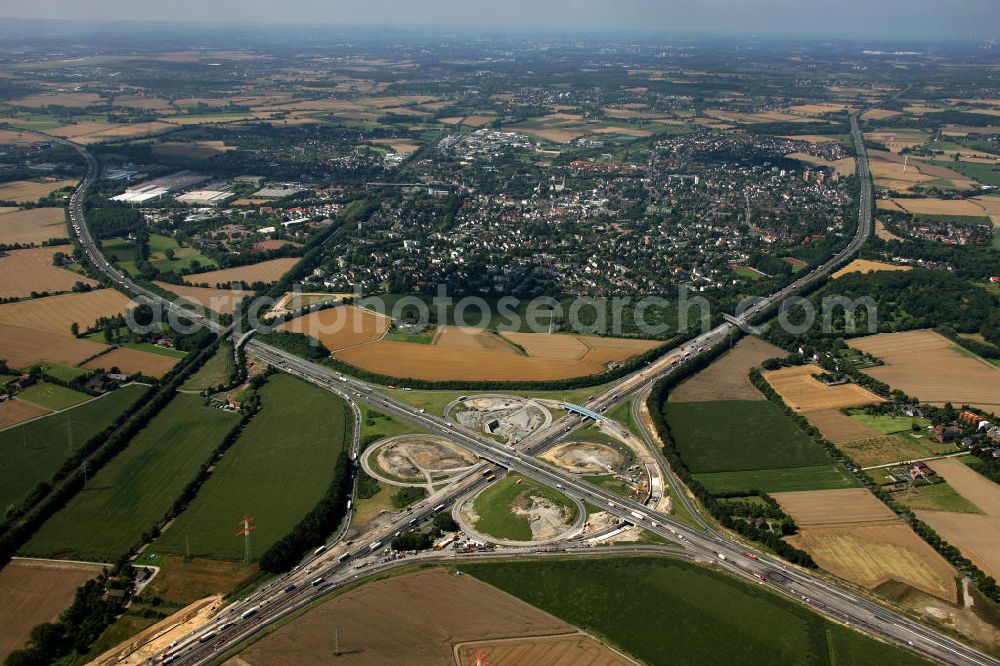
<point x="968" y="21"/>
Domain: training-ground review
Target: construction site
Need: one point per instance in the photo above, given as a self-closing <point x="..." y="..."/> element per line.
<point x="507" y="419"/>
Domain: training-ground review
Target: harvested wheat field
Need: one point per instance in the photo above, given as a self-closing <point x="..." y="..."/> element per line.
<point x="728" y="377"/>
<point x="265" y="271"/>
<point x="801" y="392"/>
<point x="464" y="356"/>
<point x="134" y="362"/>
<point x="31" y="227"/>
<point x="868" y="266"/>
<point x="31" y="270"/>
<point x="976" y="535"/>
<point x="845" y="166"/>
<point x="22" y="347"/>
<point x="222" y="301"/>
<point x="878" y="114"/>
<point x="884" y="233"/>
<point x="340" y="327"/>
<point x="399" y="145"/>
<point x="991" y="205"/>
<point x="940" y="207"/>
<point x="378" y="625"/>
<point x="57" y="313"/>
<point x="15" y="137"/>
<point x="851" y="534"/>
<point x="577" y="649"/>
<point x="930" y="367"/>
<point x="29" y="191"/>
<point x="36" y="591"/>
<point x="17" y="411"/>
<point x="881" y="450"/>
<point x="72" y="100"/>
<point x="838" y="427"/>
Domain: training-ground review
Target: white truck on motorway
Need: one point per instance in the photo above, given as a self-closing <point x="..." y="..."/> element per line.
<point x="638" y="516"/>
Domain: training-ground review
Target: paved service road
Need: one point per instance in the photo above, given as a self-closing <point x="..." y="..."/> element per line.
<point x="337" y="565"/>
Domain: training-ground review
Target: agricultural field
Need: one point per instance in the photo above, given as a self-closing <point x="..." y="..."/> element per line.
<point x="17" y="411"/>
<point x="32" y="453"/>
<point x="130" y="494"/>
<point x="935" y="497"/>
<point x="123" y="252"/>
<point x="134" y="362"/>
<point x="838" y="427"/>
<point x="265" y="271"/>
<point x="960" y="207"/>
<point x="52" y="396"/>
<point x="801" y="392"/>
<point x="868" y="266"/>
<point x="32" y="226"/>
<point x="516" y="508"/>
<point x="34" y="592"/>
<point x="377" y="625"/>
<point x="214" y="372"/>
<point x="25" y="271"/>
<point x="340" y="327"/>
<point x="673" y="612"/>
<point x="55" y="314"/>
<point x="29" y="191"/>
<point x="928" y="366"/>
<point x="844" y="167"/>
<point x="784" y="479"/>
<point x="853" y="535"/>
<point x="728" y="377"/>
<point x="22" y="347"/>
<point x="977" y="535"/>
<point x="222" y="301"/>
<point x="477" y="354"/>
<point x="884" y="449"/>
<point x="288" y="475"/>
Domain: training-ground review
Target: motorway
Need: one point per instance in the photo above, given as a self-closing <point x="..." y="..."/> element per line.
<point x="271" y="603"/>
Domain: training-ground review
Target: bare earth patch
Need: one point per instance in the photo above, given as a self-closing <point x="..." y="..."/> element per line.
<point x="868" y="266"/>
<point x="25" y="271"/>
<point x="728" y="378"/>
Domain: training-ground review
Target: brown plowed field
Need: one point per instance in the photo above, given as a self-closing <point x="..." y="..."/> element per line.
<point x="222" y="301"/>
<point x="22" y="347"/>
<point x="56" y="313"/>
<point x="449" y="361"/>
<point x="728" y="378"/>
<point x="575" y="650"/>
<point x="16" y="411"/>
<point x="33" y="592"/>
<point x="265" y="271"/>
<point x="134" y="361"/>
<point x="341" y="327"/>
<point x="928" y="366"/>
<point x="839" y="427"/>
<point x="868" y="266"/>
<point x="25" y="271"/>
<point x="28" y="191"/>
<point x="976" y="535"/>
<point x="801" y="392"/>
<point x="31" y="227"/>
<point x="378" y="624"/>
<point x="464" y="337"/>
<point x="851" y="534"/>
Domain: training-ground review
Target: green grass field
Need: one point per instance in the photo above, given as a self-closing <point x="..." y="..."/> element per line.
<point x="623" y="414"/>
<point x="938" y="497"/>
<point x="123" y="251"/>
<point x="66" y="373"/>
<point x="735" y="435"/>
<point x="819" y="477"/>
<point x="665" y="611"/>
<point x="52" y="396"/>
<point x="987" y="174"/>
<point x="215" y="371"/>
<point x="889" y="425"/>
<point x="494" y="507"/>
<point x="276" y="472"/>
<point x="34" y="452"/>
<point x="134" y="491"/>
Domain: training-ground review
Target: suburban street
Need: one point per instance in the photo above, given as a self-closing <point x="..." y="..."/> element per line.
<point x="272" y="603"/>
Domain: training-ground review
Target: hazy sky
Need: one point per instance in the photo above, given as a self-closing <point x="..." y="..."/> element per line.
<point x="945" y="19"/>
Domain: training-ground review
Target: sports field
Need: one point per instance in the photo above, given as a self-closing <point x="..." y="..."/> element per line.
<point x="33" y="452"/>
<point x="265" y="271"/>
<point x="33" y="226"/>
<point x="930" y="367"/>
<point x="25" y="271"/>
<point x="276" y="472"/>
<point x="130" y="494"/>
<point x="663" y="611"/>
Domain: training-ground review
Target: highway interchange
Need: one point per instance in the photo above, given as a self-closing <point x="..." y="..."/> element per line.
<point x="245" y="618"/>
